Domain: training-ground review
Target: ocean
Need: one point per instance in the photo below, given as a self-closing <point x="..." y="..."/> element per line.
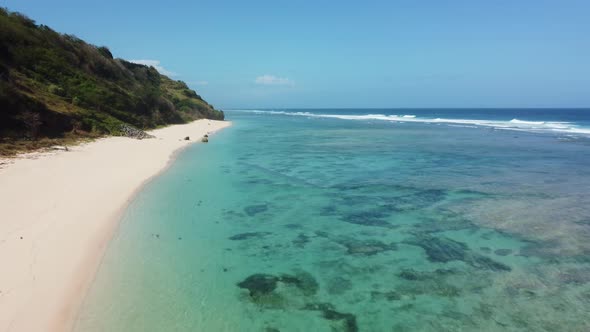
<point x="360" y="220"/>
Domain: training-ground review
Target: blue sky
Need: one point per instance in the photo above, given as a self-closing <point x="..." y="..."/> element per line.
<point x="279" y="54"/>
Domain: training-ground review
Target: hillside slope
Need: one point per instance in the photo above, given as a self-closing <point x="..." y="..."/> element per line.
<point x="54" y="86"/>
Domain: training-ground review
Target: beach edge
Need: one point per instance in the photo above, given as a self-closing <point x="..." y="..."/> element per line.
<point x="32" y="286"/>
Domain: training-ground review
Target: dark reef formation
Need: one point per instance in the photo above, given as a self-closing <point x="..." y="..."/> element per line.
<point x="263" y="290"/>
<point x="367" y="218"/>
<point x="260" y="284"/>
<point x="443" y="250"/>
<point x="248" y="235"/>
<point x="366" y="247"/>
<point x="252" y="210"/>
<point x="301" y="240"/>
<point x="347" y="320"/>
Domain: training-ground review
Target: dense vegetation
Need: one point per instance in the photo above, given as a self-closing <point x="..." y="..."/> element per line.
<point x="56" y="86"/>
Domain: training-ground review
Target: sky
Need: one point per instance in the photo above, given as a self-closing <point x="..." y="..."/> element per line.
<point x="353" y="54"/>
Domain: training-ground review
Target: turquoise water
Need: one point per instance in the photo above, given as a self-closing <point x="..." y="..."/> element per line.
<point x="298" y="222"/>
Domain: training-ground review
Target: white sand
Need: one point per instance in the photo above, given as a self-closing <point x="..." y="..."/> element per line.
<point x="58" y="213"/>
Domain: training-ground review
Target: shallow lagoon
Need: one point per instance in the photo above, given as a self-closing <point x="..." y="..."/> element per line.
<point x="286" y="223"/>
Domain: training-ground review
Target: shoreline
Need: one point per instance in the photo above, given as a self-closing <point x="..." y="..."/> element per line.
<point x="52" y="249"/>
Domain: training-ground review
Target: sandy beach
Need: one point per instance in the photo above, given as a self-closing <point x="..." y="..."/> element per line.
<point x="59" y="211"/>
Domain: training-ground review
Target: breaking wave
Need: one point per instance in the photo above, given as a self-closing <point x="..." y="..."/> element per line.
<point x="514" y="124"/>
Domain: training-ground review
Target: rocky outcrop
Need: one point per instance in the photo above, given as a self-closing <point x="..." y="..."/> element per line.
<point x="132" y="132"/>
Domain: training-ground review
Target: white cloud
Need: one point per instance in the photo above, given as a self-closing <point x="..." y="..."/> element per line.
<point x="155" y="64"/>
<point x="273" y="80"/>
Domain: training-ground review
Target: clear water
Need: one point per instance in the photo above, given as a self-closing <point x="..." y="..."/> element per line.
<point x="298" y="222"/>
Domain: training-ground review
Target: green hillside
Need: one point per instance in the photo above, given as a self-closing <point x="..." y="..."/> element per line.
<point x="56" y="86"/>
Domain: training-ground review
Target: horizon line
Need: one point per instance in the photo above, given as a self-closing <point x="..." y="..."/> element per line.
<point x="404" y="108"/>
